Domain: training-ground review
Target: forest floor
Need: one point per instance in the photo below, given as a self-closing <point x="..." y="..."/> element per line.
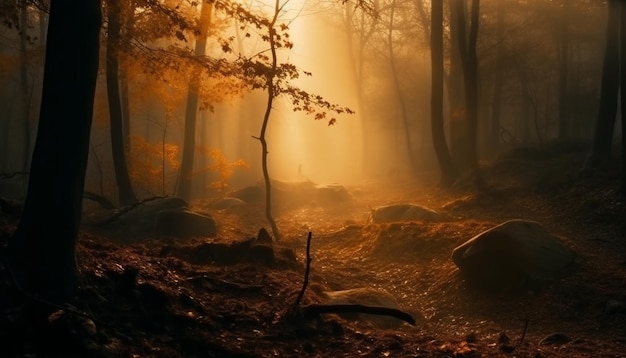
<point x="162" y="297"/>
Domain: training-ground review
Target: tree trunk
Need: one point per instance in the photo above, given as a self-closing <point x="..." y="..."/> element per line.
<point x="622" y="36"/>
<point x="607" y="112"/>
<point x="191" y="111"/>
<point x="24" y="83"/>
<point x="126" y="194"/>
<point x="448" y="172"/>
<point x="271" y="94"/>
<point x="498" y="82"/>
<point x="470" y="74"/>
<point x="398" y="92"/>
<point x="456" y="98"/>
<point x="41" y="253"/>
<point x="469" y="62"/>
<point x="128" y="13"/>
<point x="564" y="112"/>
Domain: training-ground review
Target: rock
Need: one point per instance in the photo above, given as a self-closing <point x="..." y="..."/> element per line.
<point x="331" y="194"/>
<point x="185" y="224"/>
<point x="251" y="194"/>
<point x="288" y="195"/>
<point x="168" y="203"/>
<point x="227" y="203"/>
<point x="511" y="254"/>
<point x="404" y="212"/>
<point x="284" y="193"/>
<point x="555" y="339"/>
<point x="148" y="210"/>
<point x="366" y="296"/>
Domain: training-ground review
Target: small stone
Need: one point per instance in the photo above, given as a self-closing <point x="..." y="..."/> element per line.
<point x="555" y="339"/>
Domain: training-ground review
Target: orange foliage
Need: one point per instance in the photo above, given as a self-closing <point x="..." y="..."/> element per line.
<point x="153" y="166"/>
<point x="221" y="167"/>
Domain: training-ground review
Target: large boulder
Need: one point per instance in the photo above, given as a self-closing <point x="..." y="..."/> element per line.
<point x="329" y="194"/>
<point x="185" y="224"/>
<point x="251" y="194"/>
<point x="226" y="203"/>
<point x="143" y="217"/>
<point x="404" y="212"/>
<point x="513" y="254"/>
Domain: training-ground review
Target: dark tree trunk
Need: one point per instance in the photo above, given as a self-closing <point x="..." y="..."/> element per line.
<point x="498" y="81"/>
<point x="41" y="253"/>
<point x="607" y="112"/>
<point x="126" y="194"/>
<point x="564" y="112"/>
<point x="406" y="127"/>
<point x="622" y="36"/>
<point x="191" y="111"/>
<point x="128" y="13"/>
<point x="448" y="172"/>
<point x="469" y="62"/>
<point x="456" y="98"/>
<point x="24" y="83"/>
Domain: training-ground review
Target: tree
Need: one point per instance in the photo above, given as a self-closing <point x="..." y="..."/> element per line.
<point x="398" y="91"/>
<point x="266" y="72"/>
<point x="448" y="171"/>
<point x="498" y="82"/>
<point x="622" y="83"/>
<point x="191" y="111"/>
<point x="272" y="92"/>
<point x="469" y="63"/>
<point x="41" y="253"/>
<point x="607" y="111"/>
<point x="126" y="194"/>
<point x="564" y="100"/>
<point x="613" y="82"/>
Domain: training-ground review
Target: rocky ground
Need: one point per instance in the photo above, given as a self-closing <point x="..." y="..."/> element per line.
<point x="149" y="295"/>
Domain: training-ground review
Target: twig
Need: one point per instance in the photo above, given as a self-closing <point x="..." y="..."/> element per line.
<point x="127" y="209"/>
<point x="306" y="274"/>
<point x="524" y="331"/>
<point x="104" y="202"/>
<point x="316" y="309"/>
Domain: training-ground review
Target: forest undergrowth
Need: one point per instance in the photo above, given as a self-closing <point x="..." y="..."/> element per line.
<point x="143" y="295"/>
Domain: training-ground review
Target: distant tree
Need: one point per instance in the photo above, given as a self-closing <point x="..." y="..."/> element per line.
<point x="564" y="96"/>
<point x="126" y="194"/>
<point x="191" y="111"/>
<point x="622" y="82"/>
<point x="41" y="253"/>
<point x="448" y="171"/>
<point x="498" y="82"/>
<point x="613" y="78"/>
<point x="402" y="105"/>
<point x="607" y="111"/>
<point x="469" y="62"/>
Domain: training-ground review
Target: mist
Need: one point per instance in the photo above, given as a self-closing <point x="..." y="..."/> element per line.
<point x="375" y="61"/>
<point x="312" y="178"/>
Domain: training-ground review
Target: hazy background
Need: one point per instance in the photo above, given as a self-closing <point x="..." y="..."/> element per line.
<point x="379" y="66"/>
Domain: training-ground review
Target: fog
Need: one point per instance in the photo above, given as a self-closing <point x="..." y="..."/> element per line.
<point x="376" y="63"/>
<point x="301" y="147"/>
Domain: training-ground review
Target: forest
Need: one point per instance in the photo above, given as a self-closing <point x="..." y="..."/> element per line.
<point x="306" y="178"/>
